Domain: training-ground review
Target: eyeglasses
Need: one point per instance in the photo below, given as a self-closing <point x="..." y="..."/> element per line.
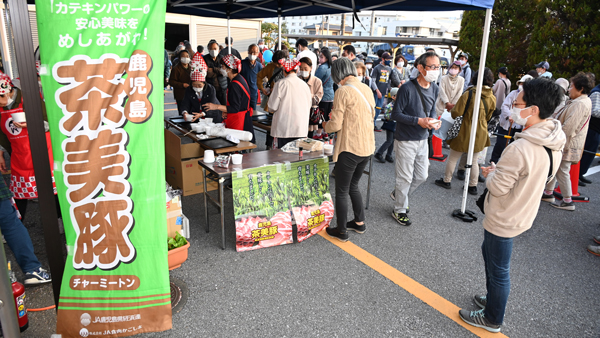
<point x="515" y="104"/>
<point x="432" y="67"/>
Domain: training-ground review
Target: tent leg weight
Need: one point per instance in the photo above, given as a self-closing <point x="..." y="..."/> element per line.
<point x="467" y="216"/>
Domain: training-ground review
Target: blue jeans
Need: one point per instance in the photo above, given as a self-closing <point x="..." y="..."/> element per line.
<point x="378" y="103"/>
<point x="17" y="237"/>
<point x="591" y="144"/>
<point x="496" y="256"/>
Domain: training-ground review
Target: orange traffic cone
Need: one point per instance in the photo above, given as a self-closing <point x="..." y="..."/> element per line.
<point x="436" y="144"/>
<point x="574" y="176"/>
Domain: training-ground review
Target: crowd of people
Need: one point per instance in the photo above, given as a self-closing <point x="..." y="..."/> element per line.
<point x="543" y="127"/>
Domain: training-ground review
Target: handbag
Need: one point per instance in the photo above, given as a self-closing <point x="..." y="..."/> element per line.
<point x="455" y="129"/>
<point x="316" y="116"/>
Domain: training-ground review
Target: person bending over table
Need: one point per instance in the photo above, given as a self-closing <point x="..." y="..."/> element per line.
<point x="200" y="93"/>
<point x="290" y="103"/>
<point x="352" y="118"/>
<point x="237" y="113"/>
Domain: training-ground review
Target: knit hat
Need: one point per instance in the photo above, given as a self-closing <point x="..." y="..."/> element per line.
<point x="199" y="68"/>
<point x="6" y="84"/>
<point x="233" y="62"/>
<point x="289" y="64"/>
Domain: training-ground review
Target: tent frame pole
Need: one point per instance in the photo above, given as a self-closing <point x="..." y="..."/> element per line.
<point x="279" y="28"/>
<point x="229" y="34"/>
<point x="484" y="47"/>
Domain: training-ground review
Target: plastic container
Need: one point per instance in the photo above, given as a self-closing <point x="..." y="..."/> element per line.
<point x="18" y="117"/>
<point x="236" y="158"/>
<point x="328" y="149"/>
<point x="209" y="156"/>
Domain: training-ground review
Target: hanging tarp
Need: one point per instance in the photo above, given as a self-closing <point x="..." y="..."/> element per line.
<point x="102" y="76"/>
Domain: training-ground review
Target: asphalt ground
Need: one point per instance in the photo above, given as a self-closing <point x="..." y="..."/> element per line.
<point x="406" y="283"/>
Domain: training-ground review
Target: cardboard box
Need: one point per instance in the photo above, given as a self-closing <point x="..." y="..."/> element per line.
<point x="182" y="168"/>
<point x="174" y="217"/>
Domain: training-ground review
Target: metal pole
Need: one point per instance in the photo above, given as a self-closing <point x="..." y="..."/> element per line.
<point x="8" y="313"/>
<point x="484" y="47"/>
<point x="229" y="35"/>
<point x="370" y="49"/>
<point x="32" y="105"/>
<point x="8" y="69"/>
<point x="279" y="33"/>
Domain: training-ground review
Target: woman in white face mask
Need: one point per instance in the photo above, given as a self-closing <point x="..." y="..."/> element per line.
<point x="399" y="73"/>
<point x="316" y="90"/>
<point x="460" y="144"/>
<point x="251" y="66"/>
<point x="180" y="78"/>
<point x="451" y="88"/>
<point x="200" y="93"/>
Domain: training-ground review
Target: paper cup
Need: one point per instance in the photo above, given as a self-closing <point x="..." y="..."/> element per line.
<point x="236" y="158"/>
<point x="18" y="117"/>
<point x="188" y="117"/>
<point x="328" y="149"/>
<point x="209" y="156"/>
<point x="208" y="120"/>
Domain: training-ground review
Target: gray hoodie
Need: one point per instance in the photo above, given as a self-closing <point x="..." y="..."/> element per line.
<point x="517" y="184"/>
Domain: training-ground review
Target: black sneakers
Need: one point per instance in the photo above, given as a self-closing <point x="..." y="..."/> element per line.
<point x="379" y="158"/>
<point x="355" y="227"/>
<point x="472" y="190"/>
<point x="401" y="218"/>
<point x="441" y="183"/>
<point x="477" y="318"/>
<point x="460" y="174"/>
<point x="335" y="232"/>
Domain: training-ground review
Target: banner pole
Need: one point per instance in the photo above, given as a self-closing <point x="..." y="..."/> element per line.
<point x="8" y="314"/>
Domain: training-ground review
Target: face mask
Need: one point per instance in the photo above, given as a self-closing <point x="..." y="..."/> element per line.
<point x="516" y="116"/>
<point x="432" y="75"/>
<point x="453" y="71"/>
<point x="360" y="78"/>
<point x="400" y="64"/>
<point x="520" y="87"/>
<point x="40" y="84"/>
<point x="253" y="57"/>
<point x="462" y="62"/>
<point x="261" y="46"/>
<point x="387" y="62"/>
<point x="540" y="73"/>
<point x="369" y="66"/>
<point x="185" y="60"/>
<point x="223" y="72"/>
<point x="198" y="90"/>
<point x="214" y="53"/>
<point x="304" y="73"/>
<point x="10" y="101"/>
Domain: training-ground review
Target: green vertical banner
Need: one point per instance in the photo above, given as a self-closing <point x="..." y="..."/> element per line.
<point x="102" y="76"/>
<point x="308" y="191"/>
<point x="260" y="204"/>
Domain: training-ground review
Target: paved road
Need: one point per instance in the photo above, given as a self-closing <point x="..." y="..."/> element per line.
<point x="316" y="289"/>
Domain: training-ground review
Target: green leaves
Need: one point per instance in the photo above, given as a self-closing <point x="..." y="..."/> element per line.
<point x="176" y="242"/>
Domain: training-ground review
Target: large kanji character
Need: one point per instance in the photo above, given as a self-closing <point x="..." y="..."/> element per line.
<point x="95" y="165"/>
<point x="102" y="239"/>
<point x="120" y="23"/>
<point x="108" y="23"/>
<point x="82" y="23"/>
<point x="97" y="95"/>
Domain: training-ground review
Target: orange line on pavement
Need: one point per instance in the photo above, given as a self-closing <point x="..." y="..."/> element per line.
<point x="413" y="287"/>
<point x="170" y="102"/>
<point x="170" y="109"/>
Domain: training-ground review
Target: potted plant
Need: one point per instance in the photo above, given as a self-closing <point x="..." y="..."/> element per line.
<point x="178" y="251"/>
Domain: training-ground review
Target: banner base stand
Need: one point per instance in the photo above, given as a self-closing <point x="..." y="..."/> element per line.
<point x="467" y="216"/>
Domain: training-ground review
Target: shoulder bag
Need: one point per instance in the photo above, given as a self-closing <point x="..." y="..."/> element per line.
<point x="455" y="129"/>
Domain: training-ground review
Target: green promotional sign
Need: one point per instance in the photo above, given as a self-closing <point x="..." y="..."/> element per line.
<point x="102" y="76"/>
<point x="265" y="199"/>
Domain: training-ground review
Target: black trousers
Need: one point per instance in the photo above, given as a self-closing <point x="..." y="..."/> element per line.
<point x="348" y="171"/>
<point x="22" y="207"/>
<point x="283" y="141"/>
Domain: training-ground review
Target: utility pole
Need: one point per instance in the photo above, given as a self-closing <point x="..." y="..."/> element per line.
<point x="370" y="49"/>
<point x="343" y="28"/>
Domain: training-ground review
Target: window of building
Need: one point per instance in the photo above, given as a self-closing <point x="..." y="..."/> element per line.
<point x="440" y="33"/>
<point x="415" y="30"/>
<point x="384" y="32"/>
<point x="404" y="29"/>
<point x="431" y="32"/>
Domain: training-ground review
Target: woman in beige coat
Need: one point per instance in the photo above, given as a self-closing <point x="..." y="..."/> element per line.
<point x="451" y="87"/>
<point x="460" y="144"/>
<point x="315" y="85"/>
<point x="575" y="118"/>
